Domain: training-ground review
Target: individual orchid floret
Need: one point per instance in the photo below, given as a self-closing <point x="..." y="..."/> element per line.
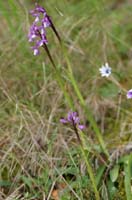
<point x="37" y="11"/>
<point x="35" y="51"/>
<point x="129" y="94"/>
<point x="33" y="33"/>
<point x="73" y="119"/>
<point x="105" y="70"/>
<point x="46" y="21"/>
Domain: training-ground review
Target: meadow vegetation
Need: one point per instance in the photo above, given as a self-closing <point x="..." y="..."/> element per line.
<point x="41" y="158"/>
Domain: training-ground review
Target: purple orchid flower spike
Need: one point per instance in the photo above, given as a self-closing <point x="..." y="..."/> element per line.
<point x="73" y="119"/>
<point x="37" y="30"/>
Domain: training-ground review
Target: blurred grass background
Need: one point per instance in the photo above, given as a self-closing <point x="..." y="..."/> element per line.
<point x="37" y="154"/>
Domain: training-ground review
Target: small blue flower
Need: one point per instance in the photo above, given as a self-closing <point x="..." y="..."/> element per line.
<point x="129" y="94"/>
<point x="105" y="70"/>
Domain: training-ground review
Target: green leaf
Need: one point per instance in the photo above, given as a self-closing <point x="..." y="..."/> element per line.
<point x="130" y="164"/>
<point x="5" y="183"/>
<point x="124" y="159"/>
<point x="27" y="181"/>
<point x="127" y="180"/>
<point x="111" y="189"/>
<point x="104" y="192"/>
<point x="99" y="174"/>
<point x="114" y="173"/>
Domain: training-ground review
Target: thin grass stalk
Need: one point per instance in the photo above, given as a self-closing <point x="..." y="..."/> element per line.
<point x="62" y="86"/>
<point x="127" y="180"/>
<point x="89" y="168"/>
<point x="91" y="174"/>
<point x="80" y="138"/>
<point x="59" y="78"/>
<point x="89" y="115"/>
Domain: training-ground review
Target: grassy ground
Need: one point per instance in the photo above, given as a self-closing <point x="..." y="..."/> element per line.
<point x="39" y="157"/>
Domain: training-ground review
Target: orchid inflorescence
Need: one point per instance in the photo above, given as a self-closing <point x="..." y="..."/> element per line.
<point x="72" y="119"/>
<point x="37" y="31"/>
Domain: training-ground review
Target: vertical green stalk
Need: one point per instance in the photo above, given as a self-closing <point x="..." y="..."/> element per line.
<point x="127" y="180"/>
<point x="89" y="115"/>
<point x="62" y="86"/>
<point x="59" y="78"/>
<point x="81" y="141"/>
<point x="91" y="174"/>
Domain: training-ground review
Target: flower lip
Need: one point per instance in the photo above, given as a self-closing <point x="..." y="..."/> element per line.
<point x="35" y="51"/>
<point x="129" y="94"/>
<point x="46" y="21"/>
<point x="105" y="70"/>
<point x="81" y="127"/>
<point x="64" y="121"/>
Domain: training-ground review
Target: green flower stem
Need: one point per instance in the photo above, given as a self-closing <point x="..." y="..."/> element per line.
<point x="91" y="174"/>
<point x="80" y="137"/>
<point x="62" y="86"/>
<point x="89" y="168"/>
<point x="59" y="78"/>
<point x="127" y="180"/>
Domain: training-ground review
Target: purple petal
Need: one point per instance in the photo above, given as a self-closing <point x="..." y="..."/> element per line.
<point x="46" y="22"/>
<point x="74" y="114"/>
<point x="64" y="121"/>
<point x="31" y="37"/>
<point x="129" y="94"/>
<point x="81" y="127"/>
<point x="76" y="119"/>
<point x="42" y="30"/>
<point x="70" y="116"/>
<point x="40" y="9"/>
<point x="35" y="52"/>
<point x="37" y="19"/>
<point x="39" y="43"/>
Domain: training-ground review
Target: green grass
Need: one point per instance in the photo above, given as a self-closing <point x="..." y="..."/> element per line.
<point x="38" y="155"/>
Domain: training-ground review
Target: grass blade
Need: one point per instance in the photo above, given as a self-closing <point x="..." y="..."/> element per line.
<point x="127" y="180"/>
